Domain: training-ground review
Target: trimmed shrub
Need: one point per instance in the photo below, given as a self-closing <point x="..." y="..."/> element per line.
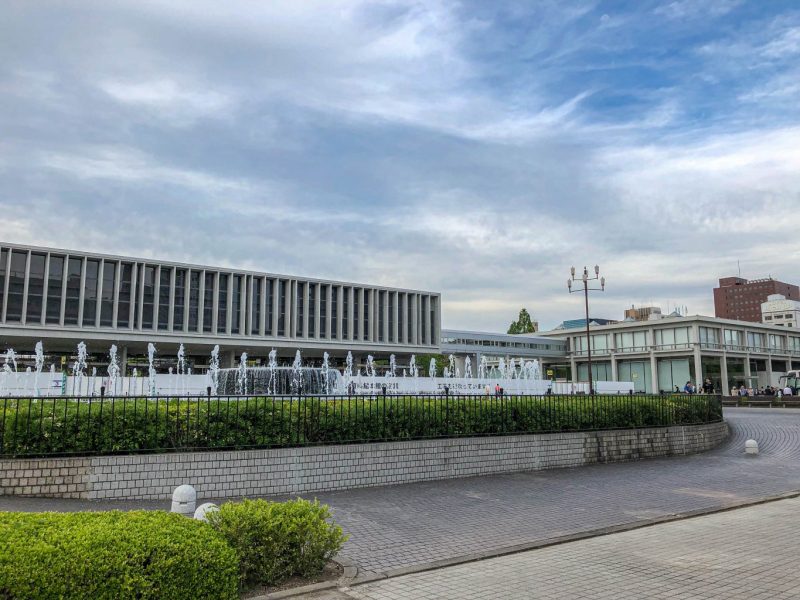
<point x="113" y="555"/>
<point x="48" y="426"/>
<point x="277" y="540"/>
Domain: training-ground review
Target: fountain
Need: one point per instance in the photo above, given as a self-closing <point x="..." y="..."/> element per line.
<point x="412" y="366"/>
<point x="151" y="370"/>
<point x="370" y="366"/>
<point x="113" y="370"/>
<point x="392" y="366"/>
<point x="39" y="350"/>
<point x="182" y="368"/>
<point x="297" y="373"/>
<point x="78" y="370"/>
<point x="432" y="368"/>
<point x="467" y="367"/>
<point x="241" y="378"/>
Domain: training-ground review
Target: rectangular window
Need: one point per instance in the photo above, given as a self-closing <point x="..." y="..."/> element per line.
<point x="163" y="297"/>
<point x="301" y="291"/>
<point x="409" y="303"/>
<point x="180" y="300"/>
<point x="270" y="306"/>
<point x="345" y="313"/>
<point x="733" y="337"/>
<point x="392" y="302"/>
<point x="709" y="336"/>
<point x="356" y="317"/>
<point x="55" y="280"/>
<point x="776" y="342"/>
<point x="401" y="316"/>
<point x="107" y="294"/>
<point x="194" y="299"/>
<point x="125" y="290"/>
<point x="208" y="303"/>
<point x="755" y="340"/>
<point x="281" y="307"/>
<point x="335" y="312"/>
<point x="148" y="297"/>
<point x="381" y="305"/>
<point x="434" y="333"/>
<point x="312" y="310"/>
<point x="365" y="333"/>
<point x="90" y="293"/>
<point x="255" y="326"/>
<point x="222" y="312"/>
<point x="73" y="299"/>
<point x="236" y="304"/>
<point x="35" y="288"/>
<point x="323" y="311"/>
<point x="16" y="285"/>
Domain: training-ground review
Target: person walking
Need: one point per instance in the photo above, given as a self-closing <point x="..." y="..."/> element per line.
<point x="708" y="386"/>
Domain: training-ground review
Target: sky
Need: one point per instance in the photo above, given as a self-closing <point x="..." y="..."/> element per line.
<point x="478" y="149"/>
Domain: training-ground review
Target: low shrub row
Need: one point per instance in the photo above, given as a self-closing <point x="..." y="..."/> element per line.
<point x="148" y="554"/>
<point x="56" y="426"/>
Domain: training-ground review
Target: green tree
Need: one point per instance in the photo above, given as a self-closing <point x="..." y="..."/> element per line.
<point x="524" y="324"/>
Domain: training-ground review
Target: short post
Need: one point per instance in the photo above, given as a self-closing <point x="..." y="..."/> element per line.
<point x="184" y="499"/>
<point x="102" y="391"/>
<point x="208" y="391"/>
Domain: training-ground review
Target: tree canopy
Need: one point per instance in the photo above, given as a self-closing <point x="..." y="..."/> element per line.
<point x="524" y="324"/>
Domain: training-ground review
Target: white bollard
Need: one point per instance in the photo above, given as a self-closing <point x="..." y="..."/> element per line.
<point x="201" y="514"/>
<point x="184" y="499"/>
<point x="751" y="447"/>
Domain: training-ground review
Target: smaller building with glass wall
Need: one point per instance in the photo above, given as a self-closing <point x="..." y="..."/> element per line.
<point x="663" y="354"/>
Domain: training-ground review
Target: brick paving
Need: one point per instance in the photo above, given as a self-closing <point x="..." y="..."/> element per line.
<point x="410" y="525"/>
<point x="748" y="553"/>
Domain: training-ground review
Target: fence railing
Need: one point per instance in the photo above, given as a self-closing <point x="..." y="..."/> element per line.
<point x="123" y="425"/>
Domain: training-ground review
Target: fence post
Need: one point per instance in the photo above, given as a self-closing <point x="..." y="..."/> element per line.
<point x="208" y="391"/>
<point x="102" y="391"/>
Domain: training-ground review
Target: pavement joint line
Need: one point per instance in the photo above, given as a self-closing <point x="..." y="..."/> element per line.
<point x="525" y="547"/>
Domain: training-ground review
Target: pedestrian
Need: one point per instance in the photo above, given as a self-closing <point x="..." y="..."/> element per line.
<point x="787" y="391"/>
<point x="688" y="389"/>
<point x="708" y="386"/>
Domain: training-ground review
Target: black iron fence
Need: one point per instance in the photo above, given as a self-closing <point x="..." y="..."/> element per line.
<point x="122" y="425"/>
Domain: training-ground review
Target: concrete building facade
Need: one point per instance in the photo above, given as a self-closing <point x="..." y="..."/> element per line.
<point x="663" y="354"/>
<point x="780" y="311"/>
<point x="63" y="297"/>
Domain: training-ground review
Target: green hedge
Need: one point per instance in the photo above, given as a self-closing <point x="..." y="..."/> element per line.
<point x="113" y="555"/>
<point x="278" y="540"/>
<point x="47" y="426"/>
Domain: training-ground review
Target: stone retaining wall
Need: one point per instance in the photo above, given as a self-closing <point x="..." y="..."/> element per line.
<point x="229" y="474"/>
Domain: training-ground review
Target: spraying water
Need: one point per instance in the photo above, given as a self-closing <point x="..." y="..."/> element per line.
<point x="467" y="367"/>
<point x="39" y="350"/>
<point x="78" y="370"/>
<point x="241" y="378"/>
<point x="273" y="366"/>
<point x="213" y="370"/>
<point x="451" y="363"/>
<point x="297" y="373"/>
<point x="182" y="368"/>
<point x="370" y="366"/>
<point x="392" y="366"/>
<point x="325" y="372"/>
<point x="151" y="370"/>
<point x="412" y="366"/>
<point x="113" y="369"/>
<point x="432" y="368"/>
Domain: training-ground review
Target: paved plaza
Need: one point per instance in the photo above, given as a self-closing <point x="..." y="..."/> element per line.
<point x="416" y="526"/>
<point x="747" y="553"/>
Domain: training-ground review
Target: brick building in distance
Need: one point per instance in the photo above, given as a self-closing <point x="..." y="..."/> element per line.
<point x="739" y="299"/>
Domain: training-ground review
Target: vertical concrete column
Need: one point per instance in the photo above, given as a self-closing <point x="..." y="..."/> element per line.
<point x="276" y="306"/>
<point x="245" y="304"/>
<point x="698" y="364"/>
<point x="350" y="313"/>
<point x="291" y="303"/>
<point x="373" y="312"/>
<point x="385" y="327"/>
<point x="769" y="371"/>
<point x="63" y="292"/>
<point x="317" y="309"/>
<point x="614" y="368"/>
<point x="654" y="388"/>
<point x="413" y="321"/>
<point x="248" y="321"/>
<point x="187" y="295"/>
<point x="46" y="289"/>
<point x="396" y="317"/>
<point x="359" y="314"/>
<point x="123" y="362"/>
<point x="747" y="372"/>
<point x="437" y="320"/>
<point x="725" y="384"/>
<point x="306" y="308"/>
<point x="8" y="278"/>
<point x="340" y="292"/>
<point x="426" y="320"/>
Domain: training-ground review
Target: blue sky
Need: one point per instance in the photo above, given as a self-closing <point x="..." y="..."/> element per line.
<point x="473" y="148"/>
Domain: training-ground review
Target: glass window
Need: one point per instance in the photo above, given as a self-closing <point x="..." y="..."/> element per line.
<point x="733" y="337"/>
<point x="55" y="280"/>
<point x="255" y="326"/>
<point x="776" y="342"/>
<point x="601" y="371"/>
<point x="73" y="300"/>
<point x="392" y="300"/>
<point x="312" y="310"/>
<point x="637" y="372"/>
<point x="301" y="291"/>
<point x="410" y="332"/>
<point x="674" y="373"/>
<point x="125" y="290"/>
<point x="794" y="343"/>
<point x="3" y="259"/>
<point x="91" y="280"/>
<point x="163" y="297"/>
<point x="16" y="285"/>
<point x="148" y="297"/>
<point x="755" y="340"/>
<point x="401" y="315"/>
<point x="270" y="306"/>
<point x="194" y="300"/>
<point x="281" y="307"/>
<point x="709" y="335"/>
<point x="35" y="288"/>
<point x="222" y="304"/>
<point x="381" y="306"/>
<point x="334" y="312"/>
<point x="365" y="333"/>
<point x="180" y="300"/>
<point x="323" y="311"/>
<point x="236" y="303"/>
<point x="107" y="294"/>
<point x="345" y="313"/>
<point x="356" y="318"/>
<point x="208" y="303"/>
<point x="433" y="303"/>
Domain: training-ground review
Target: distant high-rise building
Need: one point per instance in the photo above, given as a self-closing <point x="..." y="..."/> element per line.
<point x="642" y="313"/>
<point x="740" y="299"/>
<point x="777" y="310"/>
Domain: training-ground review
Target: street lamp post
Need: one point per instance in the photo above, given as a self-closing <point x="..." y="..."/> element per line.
<point x="586" y="279"/>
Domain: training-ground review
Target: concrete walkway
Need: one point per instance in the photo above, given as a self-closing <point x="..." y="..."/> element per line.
<point x="417" y="526"/>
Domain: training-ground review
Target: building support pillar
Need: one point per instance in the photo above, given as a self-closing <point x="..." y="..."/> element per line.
<point x="698" y="365"/>
<point x="724" y="383"/>
<point x="653" y="373"/>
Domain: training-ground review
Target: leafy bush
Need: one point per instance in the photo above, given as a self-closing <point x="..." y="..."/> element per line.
<point x="277" y="540"/>
<point x="113" y="555"/>
<point x="47" y="426"/>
